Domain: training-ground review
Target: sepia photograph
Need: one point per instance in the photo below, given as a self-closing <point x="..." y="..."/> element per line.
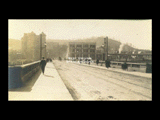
<point x="79" y="59"/>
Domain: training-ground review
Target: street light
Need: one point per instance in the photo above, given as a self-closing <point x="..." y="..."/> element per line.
<point x="45" y="44"/>
<point x="106" y="47"/>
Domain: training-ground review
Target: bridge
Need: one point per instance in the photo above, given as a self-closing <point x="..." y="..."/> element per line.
<point x="64" y="80"/>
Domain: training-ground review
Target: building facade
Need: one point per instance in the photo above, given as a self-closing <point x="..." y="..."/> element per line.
<point x="82" y="49"/>
<point x="31" y="46"/>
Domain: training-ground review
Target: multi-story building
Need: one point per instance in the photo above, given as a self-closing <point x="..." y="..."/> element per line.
<point x="31" y="46"/>
<point x="82" y="49"/>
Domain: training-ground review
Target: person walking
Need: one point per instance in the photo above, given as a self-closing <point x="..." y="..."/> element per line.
<point x="80" y="60"/>
<point x="43" y="64"/>
<point x="107" y="62"/>
<point x="97" y="61"/>
<point x="89" y="61"/>
<point x="125" y="66"/>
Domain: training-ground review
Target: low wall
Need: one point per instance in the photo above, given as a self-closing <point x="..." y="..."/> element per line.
<point x="19" y="74"/>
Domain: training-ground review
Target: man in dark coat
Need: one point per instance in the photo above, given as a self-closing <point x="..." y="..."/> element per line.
<point x="107" y="62"/>
<point x="80" y="60"/>
<point x="125" y="66"/>
<point x="43" y="64"/>
<point x="89" y="61"/>
<point x="97" y="61"/>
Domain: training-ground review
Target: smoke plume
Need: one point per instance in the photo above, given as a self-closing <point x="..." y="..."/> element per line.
<point x="121" y="47"/>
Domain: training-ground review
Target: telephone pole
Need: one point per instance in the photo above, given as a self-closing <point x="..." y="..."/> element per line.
<point x="106" y="48"/>
<point x="40" y="46"/>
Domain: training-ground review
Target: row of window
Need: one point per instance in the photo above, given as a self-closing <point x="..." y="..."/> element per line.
<point x="84" y="46"/>
<point x="84" y="55"/>
<point x="85" y="50"/>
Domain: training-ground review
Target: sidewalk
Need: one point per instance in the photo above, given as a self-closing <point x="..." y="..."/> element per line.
<point x="147" y="75"/>
<point x="47" y="87"/>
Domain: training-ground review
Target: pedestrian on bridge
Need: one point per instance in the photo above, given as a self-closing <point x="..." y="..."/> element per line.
<point x="107" y="62"/>
<point x="97" y="61"/>
<point x="43" y="64"/>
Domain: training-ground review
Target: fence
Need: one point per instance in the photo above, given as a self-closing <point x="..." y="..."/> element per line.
<point x="140" y="67"/>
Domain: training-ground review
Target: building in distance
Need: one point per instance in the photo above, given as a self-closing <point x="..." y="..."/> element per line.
<point x="31" y="46"/>
<point x="81" y="49"/>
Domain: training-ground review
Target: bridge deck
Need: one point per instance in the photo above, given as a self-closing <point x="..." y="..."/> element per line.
<point x="47" y="87"/>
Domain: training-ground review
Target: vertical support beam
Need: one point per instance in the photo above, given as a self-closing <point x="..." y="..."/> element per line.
<point x="89" y="50"/>
<point x="75" y="50"/>
<point x="82" y="50"/>
<point x="106" y="47"/>
<point x="45" y="52"/>
<point x="95" y="51"/>
<point x="40" y="46"/>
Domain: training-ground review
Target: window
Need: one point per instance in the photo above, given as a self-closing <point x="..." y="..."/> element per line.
<point x="86" y="46"/>
<point x="79" y="45"/>
<point x="85" y="50"/>
<point x="73" y="50"/>
<point x="72" y="45"/>
<point x="92" y="56"/>
<point x="92" y="46"/>
<point x="92" y="50"/>
<point x="79" y="50"/>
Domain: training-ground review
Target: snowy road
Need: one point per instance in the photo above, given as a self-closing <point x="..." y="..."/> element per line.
<point x="89" y="83"/>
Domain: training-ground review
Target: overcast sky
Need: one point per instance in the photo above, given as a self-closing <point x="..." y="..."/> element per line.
<point x="136" y="32"/>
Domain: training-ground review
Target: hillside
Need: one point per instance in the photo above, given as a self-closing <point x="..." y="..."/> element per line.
<point x="99" y="41"/>
<point x="59" y="47"/>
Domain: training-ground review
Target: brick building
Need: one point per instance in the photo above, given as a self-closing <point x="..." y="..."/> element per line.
<point x="31" y="46"/>
<point x="82" y="49"/>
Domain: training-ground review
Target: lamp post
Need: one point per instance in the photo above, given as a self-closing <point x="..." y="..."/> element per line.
<point x="41" y="48"/>
<point x="45" y="46"/>
<point x="78" y="53"/>
<point x="106" y="47"/>
<point x="102" y="51"/>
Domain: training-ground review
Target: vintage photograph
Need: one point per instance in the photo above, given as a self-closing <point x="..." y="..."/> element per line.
<point x="79" y="59"/>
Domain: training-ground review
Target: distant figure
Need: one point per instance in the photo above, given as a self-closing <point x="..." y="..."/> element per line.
<point x="80" y="60"/>
<point x="125" y="66"/>
<point x="107" y="62"/>
<point x="97" y="61"/>
<point x="43" y="64"/>
<point x="50" y="60"/>
<point x="89" y="61"/>
<point x="47" y="60"/>
<point x="60" y="58"/>
<point x="86" y="61"/>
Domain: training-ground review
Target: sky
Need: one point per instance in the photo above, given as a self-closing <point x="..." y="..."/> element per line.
<point x="136" y="32"/>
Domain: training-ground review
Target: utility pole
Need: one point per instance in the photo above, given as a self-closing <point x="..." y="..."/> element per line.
<point x="106" y="48"/>
<point x="40" y="46"/>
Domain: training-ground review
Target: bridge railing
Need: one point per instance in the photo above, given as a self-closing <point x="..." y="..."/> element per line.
<point x="19" y="74"/>
<point x="139" y="67"/>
